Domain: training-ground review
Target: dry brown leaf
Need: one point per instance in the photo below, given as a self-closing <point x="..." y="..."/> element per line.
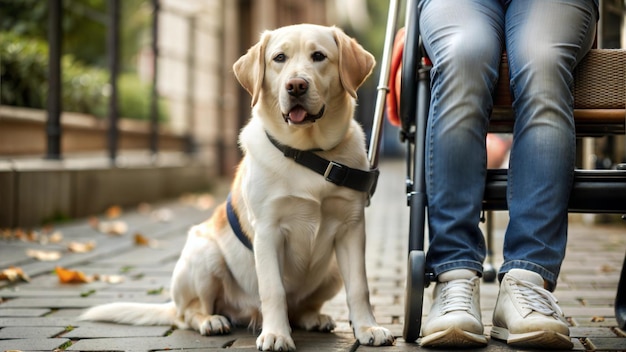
<point x="32" y="236"/>
<point x="597" y="319"/>
<point x="20" y="234"/>
<point x="114" y="212"/>
<point x="606" y="268"/>
<point x="144" y="208"/>
<point x="79" y="247"/>
<point x="117" y="228"/>
<point x="141" y="240"/>
<point x="6" y="234"/>
<point x="55" y="237"/>
<point x="67" y="276"/>
<point x="13" y="274"/>
<point x="93" y="222"/>
<point x="44" y="256"/>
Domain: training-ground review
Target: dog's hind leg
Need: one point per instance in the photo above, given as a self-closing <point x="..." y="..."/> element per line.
<point x="207" y="324"/>
<point x="195" y="289"/>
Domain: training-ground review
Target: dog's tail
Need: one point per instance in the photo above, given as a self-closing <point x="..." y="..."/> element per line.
<point x="134" y="314"/>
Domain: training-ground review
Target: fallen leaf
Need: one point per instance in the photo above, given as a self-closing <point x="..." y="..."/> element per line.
<point x="67" y="276"/>
<point x="144" y="208"/>
<point x="157" y="291"/>
<point x="88" y="293"/>
<point x="93" y="222"/>
<point x="6" y="234"/>
<point x="110" y="279"/>
<point x="44" y="256"/>
<point x="141" y="240"/>
<point x="113" y="212"/>
<point x="597" y="319"/>
<point x="117" y="228"/>
<point x="32" y="236"/>
<point x="13" y="274"/>
<point x="78" y="247"/>
<point x="20" y="234"/>
<point x="606" y="268"/>
<point x="162" y="215"/>
<point x="55" y="237"/>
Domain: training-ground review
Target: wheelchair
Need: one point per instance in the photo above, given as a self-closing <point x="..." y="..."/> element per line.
<point x="600" y="109"/>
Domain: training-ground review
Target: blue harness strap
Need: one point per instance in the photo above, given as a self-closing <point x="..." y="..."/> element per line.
<point x="233" y="220"/>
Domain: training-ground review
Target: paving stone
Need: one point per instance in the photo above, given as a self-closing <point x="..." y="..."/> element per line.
<point x="25" y="312"/>
<point x="591" y="332"/>
<point x="30" y="333"/>
<point x="73" y="292"/>
<point x="144" y="284"/>
<point x="46" y="321"/>
<point x="142" y="256"/>
<point x="100" y="330"/>
<point x="37" y="344"/>
<point x="151" y="344"/>
<point x="608" y="344"/>
<point x="66" y="313"/>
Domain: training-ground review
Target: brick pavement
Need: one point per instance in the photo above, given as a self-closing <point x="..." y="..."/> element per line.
<point x="41" y="315"/>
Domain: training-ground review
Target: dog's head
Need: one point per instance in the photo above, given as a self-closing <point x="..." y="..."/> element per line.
<point x="299" y="74"/>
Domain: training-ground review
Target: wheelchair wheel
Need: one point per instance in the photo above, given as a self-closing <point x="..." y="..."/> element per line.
<point x="489" y="273"/>
<point x="414" y="295"/>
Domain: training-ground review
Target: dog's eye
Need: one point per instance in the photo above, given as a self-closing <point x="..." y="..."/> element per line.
<point x="318" y="56"/>
<point x="280" y="58"/>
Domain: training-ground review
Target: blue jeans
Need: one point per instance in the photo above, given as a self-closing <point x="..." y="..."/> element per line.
<point x="544" y="40"/>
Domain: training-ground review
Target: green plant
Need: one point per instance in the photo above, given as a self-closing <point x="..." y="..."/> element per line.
<point x="134" y="98"/>
<point x="23" y="71"/>
<point x="24" y="82"/>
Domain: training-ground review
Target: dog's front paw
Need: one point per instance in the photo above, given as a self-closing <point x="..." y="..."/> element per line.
<point x="374" y="336"/>
<point x="275" y="342"/>
<point x="215" y="325"/>
<point x="317" y="322"/>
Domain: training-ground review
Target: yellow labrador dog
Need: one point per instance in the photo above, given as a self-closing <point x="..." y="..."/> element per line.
<point x="293" y="226"/>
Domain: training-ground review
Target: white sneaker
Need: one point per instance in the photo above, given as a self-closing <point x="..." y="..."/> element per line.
<point x="527" y="315"/>
<point x="454" y="319"/>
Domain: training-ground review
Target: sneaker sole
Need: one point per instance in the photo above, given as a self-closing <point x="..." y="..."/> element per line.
<point x="536" y="339"/>
<point x="454" y="337"/>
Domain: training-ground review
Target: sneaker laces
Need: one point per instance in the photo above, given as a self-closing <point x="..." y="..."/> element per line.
<point x="457" y="295"/>
<point x="536" y="298"/>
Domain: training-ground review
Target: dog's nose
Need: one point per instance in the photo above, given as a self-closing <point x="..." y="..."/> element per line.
<point x="297" y="86"/>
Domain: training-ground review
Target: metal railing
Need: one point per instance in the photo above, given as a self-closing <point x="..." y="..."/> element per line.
<point x="54" y="107"/>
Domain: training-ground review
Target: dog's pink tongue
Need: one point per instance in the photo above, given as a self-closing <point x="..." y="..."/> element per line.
<point x="297" y="114"/>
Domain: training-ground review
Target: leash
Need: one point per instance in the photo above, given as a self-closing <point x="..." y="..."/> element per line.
<point x="334" y="172"/>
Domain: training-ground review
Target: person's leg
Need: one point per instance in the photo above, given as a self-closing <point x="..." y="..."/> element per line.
<point x="464" y="41"/>
<point x="545" y="39"/>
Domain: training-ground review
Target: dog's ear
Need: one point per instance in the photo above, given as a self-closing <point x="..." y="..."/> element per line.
<point x="355" y="63"/>
<point x="250" y="68"/>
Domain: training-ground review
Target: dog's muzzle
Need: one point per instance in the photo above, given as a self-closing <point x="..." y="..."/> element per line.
<point x="298" y="115"/>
